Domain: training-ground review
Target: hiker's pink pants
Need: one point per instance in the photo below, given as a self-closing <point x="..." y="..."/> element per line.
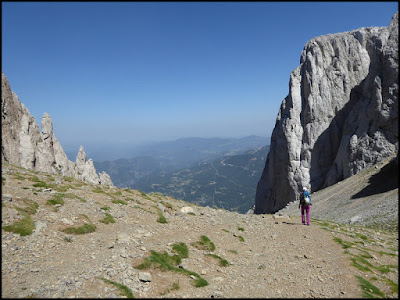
<point x="307" y="209"/>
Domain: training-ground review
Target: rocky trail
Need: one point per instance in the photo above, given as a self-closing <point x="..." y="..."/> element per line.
<point x="266" y="256"/>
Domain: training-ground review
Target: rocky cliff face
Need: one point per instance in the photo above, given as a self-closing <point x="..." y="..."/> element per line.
<point x="340" y="117"/>
<point x="23" y="144"/>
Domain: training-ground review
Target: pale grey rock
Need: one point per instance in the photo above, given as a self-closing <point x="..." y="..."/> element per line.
<point x="24" y="145"/>
<point x="186" y="210"/>
<point x="145" y="276"/>
<point x="105" y="179"/>
<point x="340" y="117"/>
<point x="6" y="197"/>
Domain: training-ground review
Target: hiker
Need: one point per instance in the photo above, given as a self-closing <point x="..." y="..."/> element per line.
<point x="305" y="205"/>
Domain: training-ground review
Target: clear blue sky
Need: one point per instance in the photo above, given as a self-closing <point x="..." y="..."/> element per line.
<point x="147" y="71"/>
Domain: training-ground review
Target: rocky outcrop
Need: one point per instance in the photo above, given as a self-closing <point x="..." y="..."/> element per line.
<point x="340" y="117"/>
<point x="23" y="144"/>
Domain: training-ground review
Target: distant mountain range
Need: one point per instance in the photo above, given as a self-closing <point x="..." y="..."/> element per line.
<point x="228" y="182"/>
<point x="164" y="157"/>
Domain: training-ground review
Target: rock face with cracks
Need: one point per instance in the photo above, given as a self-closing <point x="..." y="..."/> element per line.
<point x="340" y="117"/>
<point x="23" y="144"/>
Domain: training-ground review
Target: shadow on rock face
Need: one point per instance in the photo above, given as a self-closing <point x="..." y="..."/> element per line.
<point x="384" y="181"/>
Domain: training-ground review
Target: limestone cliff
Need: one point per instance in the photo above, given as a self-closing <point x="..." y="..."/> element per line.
<point x="23" y="144"/>
<point x="341" y="114"/>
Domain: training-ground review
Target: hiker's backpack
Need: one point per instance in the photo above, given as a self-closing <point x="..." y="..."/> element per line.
<point x="306" y="198"/>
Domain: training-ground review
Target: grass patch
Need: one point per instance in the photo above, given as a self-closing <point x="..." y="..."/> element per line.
<point x="75" y="197"/>
<point x="19" y="177"/>
<point x="166" y="262"/>
<point x="119" y="202"/>
<point x="23" y="227"/>
<point x="222" y="262"/>
<point x="241" y="228"/>
<point x="125" y="291"/>
<point x="68" y="239"/>
<point x="62" y="188"/>
<point x="393" y="285"/>
<point x="344" y="244"/>
<point x="240" y="238"/>
<point x="175" y="286"/>
<point x="57" y="199"/>
<point x="42" y="184"/>
<point x="108" y="219"/>
<point x="204" y="244"/>
<point x="161" y="218"/>
<point x="105" y="208"/>
<point x="386" y="268"/>
<point x="166" y="204"/>
<point x="369" y="290"/>
<point x="51" y="178"/>
<point x="181" y="249"/>
<point x="29" y="209"/>
<point x="261" y="267"/>
<point x="69" y="179"/>
<point x="98" y="190"/>
<point x="355" y="263"/>
<point x="200" y="282"/>
<point x="86" y="228"/>
<point x="233" y="251"/>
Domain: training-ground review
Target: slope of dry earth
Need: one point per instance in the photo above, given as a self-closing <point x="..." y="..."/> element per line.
<point x="268" y="255"/>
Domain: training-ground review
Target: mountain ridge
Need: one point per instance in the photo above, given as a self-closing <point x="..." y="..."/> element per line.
<point x="340" y="117"/>
<point x="227" y="182"/>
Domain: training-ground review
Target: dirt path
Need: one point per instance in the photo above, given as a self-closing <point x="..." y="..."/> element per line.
<point x="269" y="256"/>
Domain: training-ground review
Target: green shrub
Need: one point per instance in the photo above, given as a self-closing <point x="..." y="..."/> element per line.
<point x="57" y="199"/>
<point x="69" y="195"/>
<point x="162" y="260"/>
<point x="51" y="178"/>
<point x="125" y="291"/>
<point x="204" y="244"/>
<point x="344" y="244"/>
<point x="68" y="239"/>
<point x="23" y="227"/>
<point x="240" y="238"/>
<point x="108" y="219"/>
<point x="200" y="282"/>
<point x="120" y="202"/>
<point x="222" y="262"/>
<point x="166" y="262"/>
<point x="30" y="209"/>
<point x="161" y="218"/>
<point x="86" y="228"/>
<point x="166" y="204"/>
<point x="42" y="184"/>
<point x="181" y="249"/>
<point x="369" y="288"/>
<point x="241" y="228"/>
<point x="98" y="190"/>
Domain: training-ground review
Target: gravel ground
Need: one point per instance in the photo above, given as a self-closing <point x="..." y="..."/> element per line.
<point x="269" y="256"/>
